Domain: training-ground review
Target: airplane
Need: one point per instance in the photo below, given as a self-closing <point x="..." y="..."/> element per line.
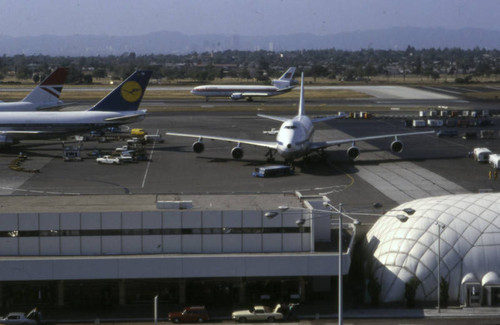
<point x="119" y="107"/>
<point x="294" y="138"/>
<point x="280" y="86"/>
<point x="44" y="96"/>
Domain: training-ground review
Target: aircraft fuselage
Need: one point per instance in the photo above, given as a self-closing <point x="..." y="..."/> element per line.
<point x="294" y="137"/>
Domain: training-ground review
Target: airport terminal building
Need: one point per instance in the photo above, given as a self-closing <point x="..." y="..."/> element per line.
<point x="180" y="250"/>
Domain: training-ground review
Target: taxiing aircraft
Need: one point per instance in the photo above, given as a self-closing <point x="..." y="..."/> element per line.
<point x="294" y="138"/>
<point x="119" y="107"/>
<point x="280" y="86"/>
<point x="44" y="96"/>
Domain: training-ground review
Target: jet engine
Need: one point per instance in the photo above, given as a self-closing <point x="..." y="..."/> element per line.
<point x="236" y="96"/>
<point x="198" y="147"/>
<point x="353" y="152"/>
<point x="397" y="146"/>
<point x="237" y="153"/>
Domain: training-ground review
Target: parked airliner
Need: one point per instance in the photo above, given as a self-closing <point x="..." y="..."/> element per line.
<point x="294" y="138"/>
<point x="280" y="86"/>
<point x="119" y="107"/>
<point x="44" y="96"/>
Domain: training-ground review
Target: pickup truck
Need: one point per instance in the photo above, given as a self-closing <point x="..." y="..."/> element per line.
<point x="108" y="160"/>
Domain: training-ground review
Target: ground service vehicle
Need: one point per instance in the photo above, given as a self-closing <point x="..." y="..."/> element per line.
<point x="258" y="313"/>
<point x="481" y="154"/>
<point x="273" y="171"/>
<point x="419" y="123"/>
<point x="108" y="160"/>
<point x="447" y="133"/>
<point x="190" y="314"/>
<point x="494" y="160"/>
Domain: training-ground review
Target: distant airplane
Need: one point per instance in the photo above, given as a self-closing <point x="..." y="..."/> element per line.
<point x="44" y="96"/>
<point x="280" y="86"/>
<point x="294" y="138"/>
<point x="117" y="108"/>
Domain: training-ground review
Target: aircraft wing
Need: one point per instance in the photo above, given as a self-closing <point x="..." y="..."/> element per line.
<point x="21" y="132"/>
<point x="250" y="94"/>
<point x="266" y="144"/>
<point x="325" y="144"/>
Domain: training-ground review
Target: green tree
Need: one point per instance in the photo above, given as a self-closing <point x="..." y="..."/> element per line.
<point x="411" y="291"/>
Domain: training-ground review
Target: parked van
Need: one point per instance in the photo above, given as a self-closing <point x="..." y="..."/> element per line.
<point x="481" y="154"/>
<point x="494" y="160"/>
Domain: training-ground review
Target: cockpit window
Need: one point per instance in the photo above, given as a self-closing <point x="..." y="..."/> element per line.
<point x="290" y="127"/>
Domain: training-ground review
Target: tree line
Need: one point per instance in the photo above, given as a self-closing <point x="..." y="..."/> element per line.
<point x="462" y="65"/>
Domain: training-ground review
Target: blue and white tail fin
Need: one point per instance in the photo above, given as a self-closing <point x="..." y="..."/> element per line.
<point x="47" y="93"/>
<point x="302" y="108"/>
<point x="286" y="80"/>
<point x="127" y="96"/>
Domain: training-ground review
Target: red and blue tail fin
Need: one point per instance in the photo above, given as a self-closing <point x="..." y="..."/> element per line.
<point x="127" y="96"/>
<point x="49" y="90"/>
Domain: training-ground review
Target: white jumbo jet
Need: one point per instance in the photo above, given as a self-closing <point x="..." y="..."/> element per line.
<point x="280" y="86"/>
<point x="119" y="107"/>
<point x="44" y="96"/>
<point x="294" y="138"/>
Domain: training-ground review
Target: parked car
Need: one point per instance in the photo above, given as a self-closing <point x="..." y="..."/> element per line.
<point x="108" y="160"/>
<point x="192" y="314"/>
<point x="258" y="313"/>
<point x="34" y="317"/>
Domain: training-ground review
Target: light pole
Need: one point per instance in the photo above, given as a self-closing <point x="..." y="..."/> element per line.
<point x="402" y="218"/>
<point x="333" y="209"/>
<point x="440" y="228"/>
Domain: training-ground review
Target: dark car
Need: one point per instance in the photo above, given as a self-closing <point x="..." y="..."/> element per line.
<point x="198" y="314"/>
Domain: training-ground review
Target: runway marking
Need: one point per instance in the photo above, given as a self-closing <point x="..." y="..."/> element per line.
<point x="149" y="161"/>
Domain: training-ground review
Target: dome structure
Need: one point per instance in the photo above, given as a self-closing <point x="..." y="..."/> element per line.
<point x="467" y="229"/>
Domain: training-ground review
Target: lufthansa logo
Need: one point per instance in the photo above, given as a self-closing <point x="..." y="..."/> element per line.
<point x="131" y="91"/>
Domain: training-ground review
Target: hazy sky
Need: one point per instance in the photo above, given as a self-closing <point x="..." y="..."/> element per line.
<point x="244" y="17"/>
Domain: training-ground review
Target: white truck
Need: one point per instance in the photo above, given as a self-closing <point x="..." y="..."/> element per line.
<point x="481" y="154"/>
<point x="494" y="160"/>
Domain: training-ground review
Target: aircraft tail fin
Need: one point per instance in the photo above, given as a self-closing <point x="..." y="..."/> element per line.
<point x="302" y="108"/>
<point x="286" y="80"/>
<point x="48" y="91"/>
<point x="127" y="96"/>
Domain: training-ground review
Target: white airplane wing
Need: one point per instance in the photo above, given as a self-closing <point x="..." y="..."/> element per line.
<point x="325" y="144"/>
<point x="266" y="144"/>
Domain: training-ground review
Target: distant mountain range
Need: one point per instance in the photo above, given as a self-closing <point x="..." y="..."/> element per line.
<point x="179" y="43"/>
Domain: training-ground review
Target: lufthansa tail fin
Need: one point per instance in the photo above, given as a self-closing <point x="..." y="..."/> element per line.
<point x="286" y="80"/>
<point x="302" y="108"/>
<point x="127" y="96"/>
<point x="48" y="91"/>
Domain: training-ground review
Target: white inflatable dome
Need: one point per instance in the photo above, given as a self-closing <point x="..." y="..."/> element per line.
<point x="470" y="246"/>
